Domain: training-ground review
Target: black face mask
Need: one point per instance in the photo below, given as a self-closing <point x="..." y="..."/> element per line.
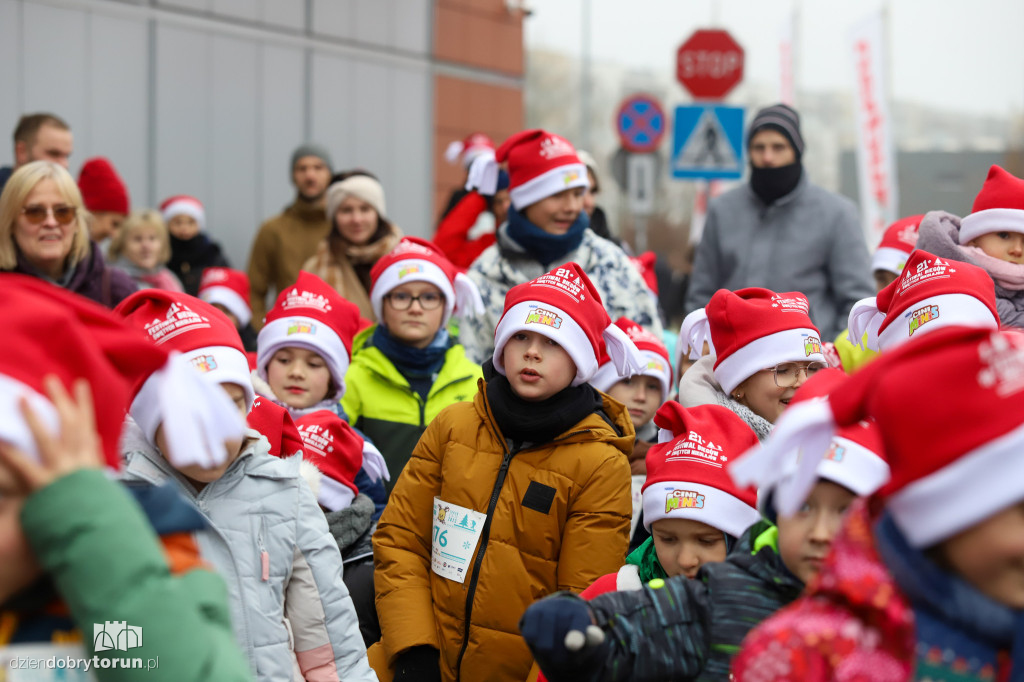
<point x="770" y="184"/>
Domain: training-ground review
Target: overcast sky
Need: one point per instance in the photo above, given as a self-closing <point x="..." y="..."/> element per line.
<point x="965" y="55"/>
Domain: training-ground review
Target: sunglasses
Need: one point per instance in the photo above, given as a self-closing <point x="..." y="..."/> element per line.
<point x="37" y="214"/>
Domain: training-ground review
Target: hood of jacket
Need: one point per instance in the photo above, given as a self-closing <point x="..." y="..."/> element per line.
<point x="699" y="387"/>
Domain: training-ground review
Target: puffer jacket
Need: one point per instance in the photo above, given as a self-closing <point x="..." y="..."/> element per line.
<point x="270" y="541"/>
<point x="557" y="519"/>
<point x="882" y="611"/>
<point x="504" y="265"/>
<point x="699" y="387"/>
<point x="380" y="402"/>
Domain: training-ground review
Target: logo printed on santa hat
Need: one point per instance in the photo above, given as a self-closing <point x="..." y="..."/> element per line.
<point x="791" y="304"/>
<point x="683" y="499"/>
<point x="204" y="363"/>
<point x="319" y="438"/>
<point x="180" y="319"/>
<point x="213" y="276"/>
<point x="544" y="317"/>
<point x="908" y="235"/>
<point x="694" y="449"/>
<point x="927" y="270"/>
<point x="566" y="281"/>
<point x="553" y="147"/>
<point x="301" y="327"/>
<point x="920" y="317"/>
<point x="305" y="299"/>
<point x="412" y="269"/>
<point x="812" y="345"/>
<point x="1004" y="366"/>
<point x="835" y="452"/>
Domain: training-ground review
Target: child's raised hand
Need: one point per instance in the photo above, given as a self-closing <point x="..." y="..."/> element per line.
<point x="77" y="446"/>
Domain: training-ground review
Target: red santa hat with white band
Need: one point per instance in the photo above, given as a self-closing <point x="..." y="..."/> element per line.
<point x="655" y="355"/>
<point x="999" y="207"/>
<point x="540" y="164"/>
<point x="183" y="204"/>
<point x="920" y="394"/>
<point x="336" y="450"/>
<point x="931" y="293"/>
<point x="686" y="475"/>
<point x="310" y="314"/>
<point x="115" y="358"/>
<point x="756" y="328"/>
<point x="205" y="339"/>
<point x="469" y="149"/>
<point x="417" y="260"/>
<point x="897" y="244"/>
<point x="229" y="288"/>
<point x="564" y="306"/>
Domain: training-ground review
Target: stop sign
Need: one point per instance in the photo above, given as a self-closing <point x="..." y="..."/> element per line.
<point x="709" y="64"/>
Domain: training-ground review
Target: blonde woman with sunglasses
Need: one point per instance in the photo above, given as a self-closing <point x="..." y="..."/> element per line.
<point x="44" y="233"/>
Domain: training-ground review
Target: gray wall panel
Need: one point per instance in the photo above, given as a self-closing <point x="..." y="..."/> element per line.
<point x="333" y="102"/>
<point x="333" y="18"/>
<point x="373" y="22"/>
<point x="411" y="25"/>
<point x="195" y="5"/>
<point x="289" y="14"/>
<point x="281" y="107"/>
<point x="410" y="125"/>
<point x="249" y="10"/>
<point x="10" y="76"/>
<point x="119" y="110"/>
<point x="370" y="103"/>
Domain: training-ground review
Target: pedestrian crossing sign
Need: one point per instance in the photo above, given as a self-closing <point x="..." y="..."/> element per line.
<point x="707" y="143"/>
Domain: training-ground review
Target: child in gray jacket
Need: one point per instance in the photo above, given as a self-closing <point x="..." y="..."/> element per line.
<point x="268" y="537"/>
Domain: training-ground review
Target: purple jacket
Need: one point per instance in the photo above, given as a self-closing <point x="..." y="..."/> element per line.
<point x="91" y="278"/>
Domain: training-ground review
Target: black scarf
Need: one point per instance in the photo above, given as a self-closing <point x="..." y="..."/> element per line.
<point x="525" y="421"/>
<point x="771" y="184"/>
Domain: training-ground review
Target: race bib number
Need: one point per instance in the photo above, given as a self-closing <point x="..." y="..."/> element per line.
<point x="455" y="534"/>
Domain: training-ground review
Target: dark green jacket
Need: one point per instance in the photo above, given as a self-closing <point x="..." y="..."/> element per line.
<point x="379" y="401"/>
<point x="690" y="629"/>
<point x="93" y="540"/>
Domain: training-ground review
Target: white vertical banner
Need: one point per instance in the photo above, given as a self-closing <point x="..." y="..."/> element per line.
<point x="787" y="59"/>
<point x="876" y="157"/>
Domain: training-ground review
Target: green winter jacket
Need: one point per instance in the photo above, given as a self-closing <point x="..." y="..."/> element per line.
<point x="379" y="401"/>
<point x="104" y="557"/>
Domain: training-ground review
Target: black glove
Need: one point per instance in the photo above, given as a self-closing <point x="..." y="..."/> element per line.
<point x="560" y="632"/>
<point x="419" y="663"/>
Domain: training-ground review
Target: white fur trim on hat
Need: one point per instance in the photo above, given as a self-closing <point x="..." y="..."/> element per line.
<point x="224" y="365"/>
<point x="699" y="502"/>
<point x="864" y="319"/>
<point x="198" y="414"/>
<point x="373" y="463"/>
<point x="549" y="183"/>
<point x="186" y="207"/>
<point x="333" y="495"/>
<point x="789" y="345"/>
<point x="312" y="475"/>
<point x="452" y="151"/>
<point x="483" y="174"/>
<point x="13" y="428"/>
<point x="991" y="220"/>
<point x="412" y="270"/>
<point x="960" y="494"/>
<point x="557" y="325"/>
<point x="854" y="467"/>
<point x="889" y="259"/>
<point x="230" y="299"/>
<point x="946" y="310"/>
<point x="655" y="366"/>
<point x="303" y="332"/>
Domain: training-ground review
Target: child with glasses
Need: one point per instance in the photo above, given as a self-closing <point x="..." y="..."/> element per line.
<point x="407" y="368"/>
<point x="766" y="347"/>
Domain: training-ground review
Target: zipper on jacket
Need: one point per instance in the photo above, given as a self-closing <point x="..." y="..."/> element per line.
<point x="264" y="555"/>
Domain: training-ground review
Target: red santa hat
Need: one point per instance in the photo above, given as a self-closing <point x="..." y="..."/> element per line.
<point x="229" y="288"/>
<point x="999" y="207"/>
<point x="50" y="331"/>
<point x="182" y="204"/>
<point x="417" y="260"/>
<point x="694" y="332"/>
<point x="312" y="315"/>
<point x="336" y="450"/>
<point x="686" y="476"/>
<point x="202" y="334"/>
<point x="469" y="149"/>
<point x="654" y="353"/>
<point x="897" y="243"/>
<point x="921" y="395"/>
<point x="540" y="164"/>
<point x="755" y="328"/>
<point x="102" y="188"/>
<point x="644" y="264"/>
<point x="930" y="293"/>
<point x="564" y="306"/>
<point x="275" y="423"/>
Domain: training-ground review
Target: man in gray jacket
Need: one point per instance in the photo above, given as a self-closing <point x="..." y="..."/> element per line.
<point x="783" y="233"/>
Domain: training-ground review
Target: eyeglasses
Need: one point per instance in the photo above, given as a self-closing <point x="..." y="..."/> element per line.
<point x="403" y="301"/>
<point x="787" y="374"/>
<point x="37" y="214"/>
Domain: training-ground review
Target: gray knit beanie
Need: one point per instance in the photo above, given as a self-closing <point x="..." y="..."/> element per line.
<point x="312" y="149"/>
<point x="783" y="118"/>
